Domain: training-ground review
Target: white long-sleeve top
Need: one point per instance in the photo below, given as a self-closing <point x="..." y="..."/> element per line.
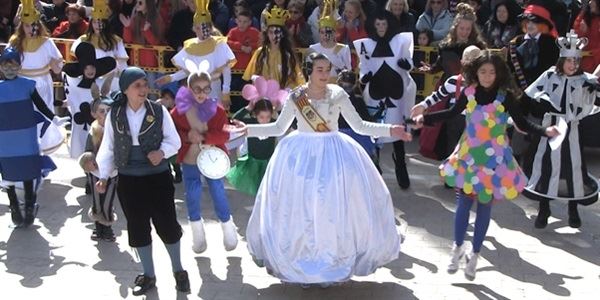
<point x="106" y="158"/>
<point x="336" y="102"/>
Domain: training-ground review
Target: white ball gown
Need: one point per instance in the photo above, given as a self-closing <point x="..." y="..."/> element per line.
<point x="322" y="213"/>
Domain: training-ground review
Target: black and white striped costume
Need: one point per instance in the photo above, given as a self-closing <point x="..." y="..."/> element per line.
<point x="454" y="127"/>
<point x="562" y="174"/>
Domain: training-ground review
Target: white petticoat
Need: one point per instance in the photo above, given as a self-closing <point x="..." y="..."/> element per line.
<point x="322" y="213"/>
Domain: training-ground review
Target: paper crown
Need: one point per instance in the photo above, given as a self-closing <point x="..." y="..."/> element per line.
<point x="202" y="14"/>
<point x="29" y="13"/>
<point x="327" y="19"/>
<point x="100" y="10"/>
<point x="277" y="16"/>
<point x="571" y="45"/>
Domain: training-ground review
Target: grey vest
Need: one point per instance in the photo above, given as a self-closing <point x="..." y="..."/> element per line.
<point x="150" y="135"/>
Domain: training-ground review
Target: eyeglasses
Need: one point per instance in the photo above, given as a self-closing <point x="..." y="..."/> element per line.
<point x="199" y="90"/>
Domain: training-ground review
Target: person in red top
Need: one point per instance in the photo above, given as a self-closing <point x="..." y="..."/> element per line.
<point x="144" y="27"/>
<point x="74" y="26"/>
<point x="243" y="39"/>
<point x="352" y="25"/>
<point x="587" y="25"/>
<point x="199" y="121"/>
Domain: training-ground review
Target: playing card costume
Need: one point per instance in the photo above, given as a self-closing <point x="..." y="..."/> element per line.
<point x="385" y="63"/>
<point x="78" y="93"/>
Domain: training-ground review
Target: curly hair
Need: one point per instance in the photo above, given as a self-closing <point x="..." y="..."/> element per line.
<point x="503" y="77"/>
<point x="464" y="12"/>
<point x="288" y="56"/>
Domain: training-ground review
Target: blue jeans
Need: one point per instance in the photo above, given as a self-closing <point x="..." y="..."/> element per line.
<point x="193" y="194"/>
<point x="461" y="220"/>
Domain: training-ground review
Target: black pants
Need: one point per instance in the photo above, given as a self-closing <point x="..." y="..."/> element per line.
<point x="149" y="198"/>
<point x="30" y="194"/>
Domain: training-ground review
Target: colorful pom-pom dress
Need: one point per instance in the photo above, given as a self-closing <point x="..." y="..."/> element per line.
<point x="482" y="163"/>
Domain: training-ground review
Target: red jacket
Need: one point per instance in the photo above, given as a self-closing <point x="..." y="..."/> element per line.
<point x="214" y="136"/>
<point x="236" y="39"/>
<point x="589" y="63"/>
<point x="62" y="30"/>
<point x="147" y="58"/>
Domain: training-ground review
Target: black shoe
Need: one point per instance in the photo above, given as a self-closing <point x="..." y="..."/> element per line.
<point x="17" y="217"/>
<point x="401" y="173"/>
<point x="574" y="220"/>
<point x="108" y="235"/>
<point x="541" y="221"/>
<point x="182" y="283"/>
<point x="143" y="284"/>
<point x="97" y="233"/>
<point x="30" y="213"/>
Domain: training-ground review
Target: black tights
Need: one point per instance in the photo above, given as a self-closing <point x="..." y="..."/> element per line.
<point x="30" y="196"/>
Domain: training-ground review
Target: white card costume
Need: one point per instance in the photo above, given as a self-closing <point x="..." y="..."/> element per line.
<point x="390" y="86"/>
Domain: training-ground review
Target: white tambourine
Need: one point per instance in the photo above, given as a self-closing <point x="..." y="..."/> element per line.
<point x="213" y="162"/>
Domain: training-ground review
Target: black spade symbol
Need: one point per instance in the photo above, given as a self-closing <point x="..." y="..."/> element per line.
<point x="84" y="116"/>
<point x="382" y="80"/>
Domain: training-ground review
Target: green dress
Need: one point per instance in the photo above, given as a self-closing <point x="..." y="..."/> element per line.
<point x="249" y="169"/>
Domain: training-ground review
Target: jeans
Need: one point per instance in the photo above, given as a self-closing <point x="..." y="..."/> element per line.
<point x="193" y="194"/>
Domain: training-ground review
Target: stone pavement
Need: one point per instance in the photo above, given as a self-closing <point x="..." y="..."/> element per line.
<point x="55" y="259"/>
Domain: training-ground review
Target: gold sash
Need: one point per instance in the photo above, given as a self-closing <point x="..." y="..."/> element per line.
<point x="310" y="114"/>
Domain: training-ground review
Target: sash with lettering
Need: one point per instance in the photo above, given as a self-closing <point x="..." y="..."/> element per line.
<point x="310" y="114"/>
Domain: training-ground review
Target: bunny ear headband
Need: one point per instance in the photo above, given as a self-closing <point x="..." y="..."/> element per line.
<point x="264" y="89"/>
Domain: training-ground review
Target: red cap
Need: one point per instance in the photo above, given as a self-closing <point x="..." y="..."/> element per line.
<point x="543" y="13"/>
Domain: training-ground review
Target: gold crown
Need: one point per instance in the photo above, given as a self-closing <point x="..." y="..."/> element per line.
<point x="202" y="14"/>
<point x="327" y="19"/>
<point x="571" y="45"/>
<point x="100" y="10"/>
<point x="29" y="13"/>
<point x="277" y="16"/>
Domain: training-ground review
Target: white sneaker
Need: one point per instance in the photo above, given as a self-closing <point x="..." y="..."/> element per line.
<point x="456" y="254"/>
<point x="471" y="267"/>
<point x="230" y="239"/>
<point x="198" y="236"/>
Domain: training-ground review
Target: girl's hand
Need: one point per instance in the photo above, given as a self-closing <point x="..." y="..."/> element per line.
<point x="125" y="20"/>
<point x="425" y="67"/>
<point x="101" y="186"/>
<point x="552" y="131"/>
<point x="236" y="126"/>
<point x="419" y="120"/>
<point x="146" y="26"/>
<point x="163" y="80"/>
<point x="399" y="131"/>
<point x="195" y="137"/>
<point x="416" y="110"/>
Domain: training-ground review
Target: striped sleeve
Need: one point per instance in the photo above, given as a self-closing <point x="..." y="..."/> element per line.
<point x="448" y="89"/>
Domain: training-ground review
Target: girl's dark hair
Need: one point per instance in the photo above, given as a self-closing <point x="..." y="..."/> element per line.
<point x="503" y="77"/>
<point x="246" y="13"/>
<point x="165" y="92"/>
<point x="560" y="63"/>
<point x="426" y="32"/>
<point x="288" y="56"/>
<point x="262" y="105"/>
<point x="108" y="39"/>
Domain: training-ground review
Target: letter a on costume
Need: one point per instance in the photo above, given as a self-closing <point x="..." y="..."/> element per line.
<point x="362" y="49"/>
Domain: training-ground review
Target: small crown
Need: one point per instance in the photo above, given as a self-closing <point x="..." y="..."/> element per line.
<point x="327" y="19"/>
<point x="202" y="14"/>
<point x="100" y="10"/>
<point x="29" y="13"/>
<point x="277" y="16"/>
<point x="571" y="45"/>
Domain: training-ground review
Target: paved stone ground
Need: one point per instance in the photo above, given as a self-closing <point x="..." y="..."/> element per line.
<point x="56" y="259"/>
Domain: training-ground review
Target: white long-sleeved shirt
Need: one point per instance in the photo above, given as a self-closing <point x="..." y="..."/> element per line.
<point x="106" y="157"/>
<point x="336" y="102"/>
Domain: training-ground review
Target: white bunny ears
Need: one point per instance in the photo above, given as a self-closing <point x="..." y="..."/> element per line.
<point x="196" y="70"/>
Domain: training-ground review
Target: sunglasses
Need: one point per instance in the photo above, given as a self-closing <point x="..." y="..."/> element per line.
<point x="199" y="90"/>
